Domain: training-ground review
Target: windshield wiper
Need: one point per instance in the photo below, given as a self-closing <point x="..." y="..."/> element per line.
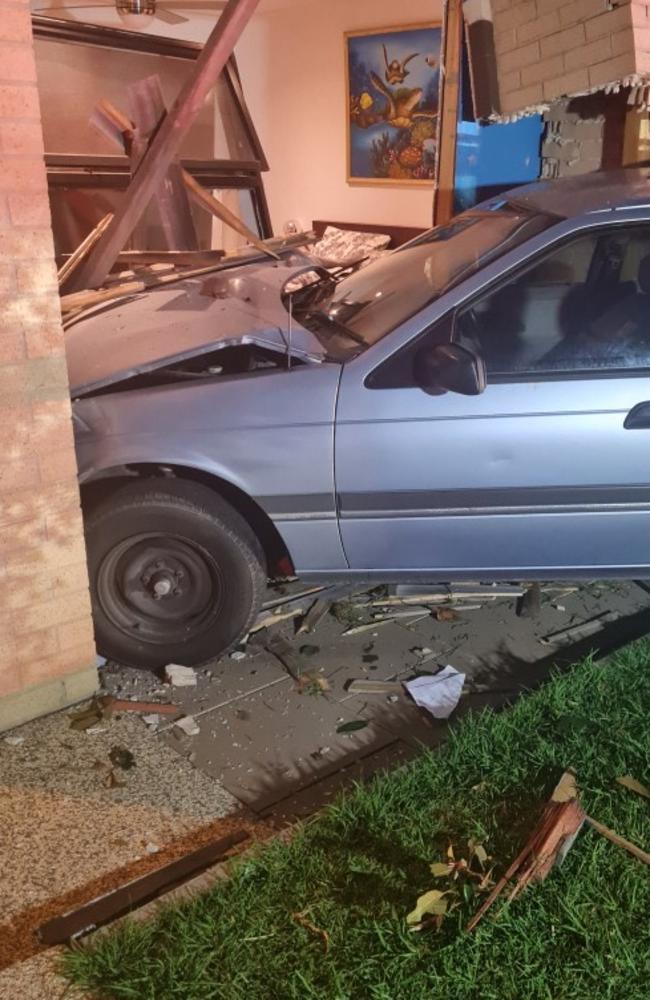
<point x="338" y="327"/>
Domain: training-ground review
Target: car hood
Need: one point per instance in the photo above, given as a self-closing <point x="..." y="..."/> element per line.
<point x="184" y="319"/>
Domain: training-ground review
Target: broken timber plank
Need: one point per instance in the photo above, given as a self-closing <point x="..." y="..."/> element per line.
<point x="84" y="248"/>
<point x="178" y="182"/>
<point x="220" y="211"/>
<point x="167" y="141"/>
<point x="91" y="297"/>
<point x="148" y="110"/>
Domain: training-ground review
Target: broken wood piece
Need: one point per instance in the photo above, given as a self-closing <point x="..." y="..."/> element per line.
<point x="627" y="845"/>
<point x="581" y="631"/>
<point x="374" y="687"/>
<point x="291" y="598"/>
<point x="218" y="209"/>
<point x="177" y="258"/>
<point x="314" y="616"/>
<point x="111" y="704"/>
<point x="529" y="604"/>
<point x="359" y="629"/>
<point x="91" y="297"/>
<point x="167" y="141"/>
<point x="546" y="846"/>
<point x="287" y="656"/>
<point x="267" y="621"/>
<point x="86" y="245"/>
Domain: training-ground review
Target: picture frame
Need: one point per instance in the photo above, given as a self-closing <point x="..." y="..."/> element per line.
<point x="392" y="94"/>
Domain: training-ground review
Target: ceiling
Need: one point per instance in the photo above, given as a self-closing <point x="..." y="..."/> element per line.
<point x="195" y="29"/>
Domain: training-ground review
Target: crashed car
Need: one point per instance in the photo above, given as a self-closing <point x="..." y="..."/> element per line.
<point x="468" y="407"/>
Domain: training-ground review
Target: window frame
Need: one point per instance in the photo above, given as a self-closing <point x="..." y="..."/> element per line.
<point x="448" y="320"/>
<point x="79" y="170"/>
<point x="556" y="375"/>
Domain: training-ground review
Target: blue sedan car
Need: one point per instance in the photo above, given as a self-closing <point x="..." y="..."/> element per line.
<point x="471" y="406"/>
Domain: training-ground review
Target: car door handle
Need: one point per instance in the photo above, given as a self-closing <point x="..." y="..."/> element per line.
<point x="638" y="418"/>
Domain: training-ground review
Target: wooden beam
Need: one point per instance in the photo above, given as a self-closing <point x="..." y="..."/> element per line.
<point x="218" y="209"/>
<point x="167" y="141"/>
<point x="450" y="66"/>
<point x="84" y="248"/>
<point x="91" y="297"/>
<point x="148" y="110"/>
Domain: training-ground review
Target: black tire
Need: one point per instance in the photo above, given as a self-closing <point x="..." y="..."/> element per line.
<point x="176" y="574"/>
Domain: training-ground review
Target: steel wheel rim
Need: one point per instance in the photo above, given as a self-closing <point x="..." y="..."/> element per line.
<point x="160" y="588"/>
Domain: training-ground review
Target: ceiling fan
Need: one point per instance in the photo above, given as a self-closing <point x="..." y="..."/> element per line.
<point x="139" y="13"/>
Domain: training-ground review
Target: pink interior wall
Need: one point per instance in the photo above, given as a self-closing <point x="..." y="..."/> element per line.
<point x="292" y="65"/>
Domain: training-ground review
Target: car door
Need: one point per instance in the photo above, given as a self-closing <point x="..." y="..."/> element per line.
<point x="545" y="473"/>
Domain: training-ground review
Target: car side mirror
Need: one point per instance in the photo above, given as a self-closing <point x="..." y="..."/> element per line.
<point x="449" y="368"/>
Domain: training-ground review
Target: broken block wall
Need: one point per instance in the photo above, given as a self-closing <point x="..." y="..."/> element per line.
<point x="549" y="49"/>
<point x="47" y="653"/>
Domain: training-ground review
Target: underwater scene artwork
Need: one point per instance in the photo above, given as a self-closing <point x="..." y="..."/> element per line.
<point x="393" y="80"/>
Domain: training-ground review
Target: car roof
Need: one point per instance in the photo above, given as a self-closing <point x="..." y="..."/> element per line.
<point x="600" y="191"/>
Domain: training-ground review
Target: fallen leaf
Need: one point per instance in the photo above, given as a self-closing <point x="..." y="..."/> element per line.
<point x="111" y="781"/>
<point x="634" y="786"/>
<point x="352" y="727"/>
<point x="430" y="902"/>
<point x="85" y="719"/>
<point x="477" y="851"/>
<point x="445" y="615"/>
<point x="440" y="869"/>
<point x="566" y="789"/>
<point x="301" y="919"/>
<point x="121" y="757"/>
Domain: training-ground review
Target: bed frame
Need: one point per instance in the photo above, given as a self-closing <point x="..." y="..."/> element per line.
<point x="398" y="234"/>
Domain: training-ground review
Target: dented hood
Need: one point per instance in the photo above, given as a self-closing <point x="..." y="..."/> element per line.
<point x="189" y="317"/>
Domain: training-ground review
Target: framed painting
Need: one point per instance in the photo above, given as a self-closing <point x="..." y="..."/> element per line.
<point x="392" y="94"/>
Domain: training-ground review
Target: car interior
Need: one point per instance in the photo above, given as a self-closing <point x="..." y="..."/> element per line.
<point x="585" y="306"/>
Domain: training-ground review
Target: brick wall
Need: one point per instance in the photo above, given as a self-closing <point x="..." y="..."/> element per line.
<point x="548" y="49"/>
<point x="45" y="626"/>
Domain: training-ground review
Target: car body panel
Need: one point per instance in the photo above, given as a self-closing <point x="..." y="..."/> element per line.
<point x="184" y="319"/>
<point x="535" y="477"/>
<point x="271" y="435"/>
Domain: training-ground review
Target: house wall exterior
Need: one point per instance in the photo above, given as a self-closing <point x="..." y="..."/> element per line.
<point x="47" y="655"/>
<point x="550" y="49"/>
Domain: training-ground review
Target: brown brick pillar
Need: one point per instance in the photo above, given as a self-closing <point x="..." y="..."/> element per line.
<point x="46" y="643"/>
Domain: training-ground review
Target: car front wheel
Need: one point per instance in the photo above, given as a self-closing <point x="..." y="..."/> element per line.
<point x="176" y="574"/>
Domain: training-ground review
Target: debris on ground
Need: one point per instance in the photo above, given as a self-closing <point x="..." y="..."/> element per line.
<point x="188" y="725"/>
<point x="546" y="847"/>
<point x="121" y="757"/>
<point x="238" y="654"/>
<point x="179" y="676"/>
<point x="112" y="705"/>
<point x="311" y="684"/>
<point x="634" y="786"/>
<point x="14" y="741"/>
<point x="287" y="656"/>
<point x="438" y="693"/>
<point x="530" y="604"/>
<point x="268" y="621"/>
<point x="351" y="727"/>
<point x="112" y="781"/>
<point x="550" y="842"/>
<point x="581" y="631"/>
<point x="374" y="687"/>
<point x="301" y="919"/>
<point x="614" y="838"/>
<point x="88" y="717"/>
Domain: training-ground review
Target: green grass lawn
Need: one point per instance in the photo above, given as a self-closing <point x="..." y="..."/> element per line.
<point x="357" y="869"/>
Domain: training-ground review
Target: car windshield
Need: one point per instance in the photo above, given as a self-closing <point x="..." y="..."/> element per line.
<point x="378" y="298"/>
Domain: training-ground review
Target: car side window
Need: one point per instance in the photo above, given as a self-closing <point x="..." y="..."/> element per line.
<point x="584" y="307"/>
